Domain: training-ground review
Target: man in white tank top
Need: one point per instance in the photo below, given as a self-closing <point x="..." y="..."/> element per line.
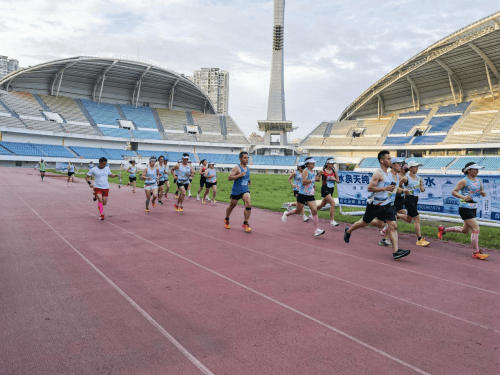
<point x="380" y="205"/>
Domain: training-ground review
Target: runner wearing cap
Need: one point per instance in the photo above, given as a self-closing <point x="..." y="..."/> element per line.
<point x="295" y="179"/>
<point x="101" y="184"/>
<point x="151" y="175"/>
<point x="175" y="180"/>
<point x="380" y="204"/>
<point x="161" y="166"/>
<point x="469" y="190"/>
<point x="184" y="171"/>
<point x="43" y="167"/>
<point x="240" y="174"/>
<point x="203" y="179"/>
<point x="190" y="179"/>
<point x="306" y="195"/>
<point x="131" y="175"/>
<point x="329" y="178"/>
<point x="415" y="184"/>
<point x="210" y="176"/>
<point x="71" y="173"/>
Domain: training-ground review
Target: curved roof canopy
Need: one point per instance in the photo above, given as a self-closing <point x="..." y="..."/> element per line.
<point x="463" y="63"/>
<point x="113" y="80"/>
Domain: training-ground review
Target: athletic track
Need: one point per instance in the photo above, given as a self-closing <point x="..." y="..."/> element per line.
<point x="176" y="293"/>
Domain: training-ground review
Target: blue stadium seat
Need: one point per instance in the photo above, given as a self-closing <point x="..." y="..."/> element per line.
<point x="174" y="156"/>
<point x="118" y="154"/>
<point x="4" y="151"/>
<point x="115" y="132"/>
<point x="220" y="158"/>
<point x="491" y="163"/>
<point x="320" y="160"/>
<point x="422" y="112"/>
<point x="273" y="160"/>
<point x="105" y="114"/>
<point x="397" y="140"/>
<point x="461" y="161"/>
<point x="145" y="134"/>
<point x="89" y="152"/>
<point x="452" y="108"/>
<point x="403" y="126"/>
<point x="442" y="124"/>
<point x="150" y="153"/>
<point x="54" y="150"/>
<point x="23" y="149"/>
<point x="370" y="163"/>
<point x="428" y="139"/>
<point x="141" y="116"/>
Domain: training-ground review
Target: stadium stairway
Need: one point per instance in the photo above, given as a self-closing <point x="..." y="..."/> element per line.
<point x="41" y="102"/>
<point x="11" y="111"/>
<point x="88" y="117"/>
<point x="121" y="114"/>
<point x="189" y="118"/>
<point x="159" y="125"/>
<point x="387" y="130"/>
<point x="495" y="120"/>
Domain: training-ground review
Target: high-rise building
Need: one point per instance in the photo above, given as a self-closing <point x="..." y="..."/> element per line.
<point x="7" y="65"/>
<point x="215" y="83"/>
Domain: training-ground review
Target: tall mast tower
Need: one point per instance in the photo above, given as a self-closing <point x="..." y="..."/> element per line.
<point x="276" y="123"/>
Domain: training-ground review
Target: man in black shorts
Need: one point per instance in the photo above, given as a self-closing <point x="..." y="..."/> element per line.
<point x="380" y="204"/>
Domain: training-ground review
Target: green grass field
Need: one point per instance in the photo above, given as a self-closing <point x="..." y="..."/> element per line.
<point x="270" y="191"/>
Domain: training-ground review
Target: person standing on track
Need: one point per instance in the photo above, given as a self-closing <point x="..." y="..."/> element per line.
<point x="203" y="179"/>
<point x="295" y="179"/>
<point x="184" y="171"/>
<point x="211" y="182"/>
<point x="161" y="166"/>
<point x="151" y="175"/>
<point x="101" y="184"/>
<point x="469" y="190"/>
<point x="240" y="174"/>
<point x="43" y="167"/>
<point x="71" y="173"/>
<point x="380" y="204"/>
<point x="329" y="178"/>
<point x="306" y="195"/>
<point x="132" y="177"/>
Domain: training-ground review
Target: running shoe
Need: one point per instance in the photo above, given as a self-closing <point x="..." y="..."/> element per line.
<point x="154" y="205"/>
<point x="226" y="224"/>
<point x="385" y="242"/>
<point x="101" y="217"/>
<point x="198" y="197"/>
<point x="305" y="218"/>
<point x="347" y="236"/>
<point x="181" y="209"/>
<point x="176" y="208"/>
<point x="283" y="217"/>
<point x="480" y="256"/>
<point x="176" y="196"/>
<point x="440" y="232"/>
<point x="147" y="209"/>
<point x="160" y="202"/>
<point x="423" y="242"/>
<point x="334" y="223"/>
<point x="190" y="196"/>
<point x="208" y="198"/>
<point x="214" y="201"/>
<point x="247" y="228"/>
<point x="400" y="253"/>
<point x="384" y="230"/>
<point x="133" y="191"/>
<point x="203" y="201"/>
<point x="95" y="198"/>
<point x="318" y="232"/>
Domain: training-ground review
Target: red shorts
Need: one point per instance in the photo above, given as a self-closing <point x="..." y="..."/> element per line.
<point x="103" y="192"/>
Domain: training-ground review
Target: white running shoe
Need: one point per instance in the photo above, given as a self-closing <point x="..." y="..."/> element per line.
<point x="319" y="232"/>
<point x="384" y="230"/>
<point x="208" y="199"/>
<point x="283" y="218"/>
<point x="334" y="223"/>
<point x="305" y="218"/>
<point x="198" y="197"/>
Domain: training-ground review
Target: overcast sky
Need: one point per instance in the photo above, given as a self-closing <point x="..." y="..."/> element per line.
<point x="334" y="50"/>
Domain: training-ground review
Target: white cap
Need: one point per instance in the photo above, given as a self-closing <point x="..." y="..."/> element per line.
<point x="398" y="160"/>
<point x="211" y="163"/>
<point x="185" y="157"/>
<point x="473" y="166"/>
<point x="330" y="161"/>
<point x="414" y="164"/>
<point x="309" y="161"/>
<point x="301" y="164"/>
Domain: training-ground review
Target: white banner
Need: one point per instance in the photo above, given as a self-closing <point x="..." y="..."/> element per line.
<point x="437" y="198"/>
<point x="62" y="167"/>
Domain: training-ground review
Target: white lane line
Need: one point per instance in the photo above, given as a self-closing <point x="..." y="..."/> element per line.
<point x="342" y="333"/>
<point x="162" y="330"/>
<point x="322" y="273"/>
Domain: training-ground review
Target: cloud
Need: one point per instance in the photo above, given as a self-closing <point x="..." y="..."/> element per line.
<point x="334" y="50"/>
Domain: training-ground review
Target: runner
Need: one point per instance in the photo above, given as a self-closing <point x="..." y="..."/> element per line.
<point x="101" y="184"/>
<point x="162" y="167"/>
<point x="469" y="190"/>
<point x="71" y="173"/>
<point x="380" y="204"/>
<point x="151" y="175"/>
<point x="165" y="176"/>
<point x="43" y="167"/>
<point x="240" y="174"/>
<point x="329" y="178"/>
<point x="91" y="165"/>
<point x="399" y="202"/>
<point x="415" y="185"/>
<point x="131" y="177"/>
<point x="211" y="182"/>
<point x="175" y="180"/>
<point x="295" y="179"/>
<point x="306" y="195"/>
<point x="185" y="170"/>
<point x="190" y="179"/>
<point x="203" y="179"/>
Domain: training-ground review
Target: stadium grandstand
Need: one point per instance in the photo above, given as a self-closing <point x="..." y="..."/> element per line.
<point x="83" y="108"/>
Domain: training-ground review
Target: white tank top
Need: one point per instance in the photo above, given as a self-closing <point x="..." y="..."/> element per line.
<point x="383" y="198"/>
<point x="151" y="173"/>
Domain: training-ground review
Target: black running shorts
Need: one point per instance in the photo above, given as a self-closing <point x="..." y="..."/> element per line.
<point x="399" y="202"/>
<point x="467" y="213"/>
<point x="132" y="179"/>
<point x="383" y="213"/>
<point x="210" y="184"/>
<point x="239" y="196"/>
<point x="183" y="184"/>
<point x="325" y="191"/>
<point x="203" y="181"/>
<point x="295" y="193"/>
<point x="304" y="199"/>
<point x="161" y="183"/>
<point x="411" y="202"/>
<point x="71" y="173"/>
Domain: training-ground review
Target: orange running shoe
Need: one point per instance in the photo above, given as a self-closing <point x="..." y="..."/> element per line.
<point x="181" y="209"/>
<point x="247" y="228"/>
<point x="440" y="232"/>
<point x="226" y="224"/>
<point x="479" y="256"/>
<point x="154" y="205"/>
<point x="101" y="217"/>
<point x="176" y="208"/>
<point x="147" y="209"/>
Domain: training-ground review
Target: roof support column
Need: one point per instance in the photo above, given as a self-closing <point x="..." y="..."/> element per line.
<point x="101" y="79"/>
<point x="489" y="79"/>
<point x="414" y="92"/>
<point x="452" y="90"/>
<point x="486" y="59"/>
<point x="102" y="86"/>
<point x="380" y="105"/>
<point x="59" y="85"/>
<point x="451" y="76"/>
<point x="137" y="87"/>
<point x="59" y="75"/>
<point x="172" y="91"/>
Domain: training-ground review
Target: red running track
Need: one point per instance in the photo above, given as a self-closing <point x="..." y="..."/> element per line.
<point x="176" y="293"/>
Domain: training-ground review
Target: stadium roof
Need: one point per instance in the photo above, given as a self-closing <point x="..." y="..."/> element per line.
<point x="452" y="68"/>
<point x="115" y="80"/>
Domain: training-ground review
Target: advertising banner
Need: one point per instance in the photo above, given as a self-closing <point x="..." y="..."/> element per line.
<point x="436" y="199"/>
<point x="62" y="167"/>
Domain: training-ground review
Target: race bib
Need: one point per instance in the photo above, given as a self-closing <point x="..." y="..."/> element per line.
<point x="244" y="183"/>
<point x="330" y="183"/>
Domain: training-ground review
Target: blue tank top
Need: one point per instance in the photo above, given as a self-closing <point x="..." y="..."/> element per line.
<point x="183" y="171"/>
<point x="151" y="173"/>
<point x="161" y="169"/>
<point x="132" y="172"/>
<point x="211" y="176"/>
<point x="240" y="186"/>
<point x="310" y="188"/>
<point x="412" y="185"/>
<point x="472" y="188"/>
<point x="297" y="181"/>
<point x="72" y="168"/>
